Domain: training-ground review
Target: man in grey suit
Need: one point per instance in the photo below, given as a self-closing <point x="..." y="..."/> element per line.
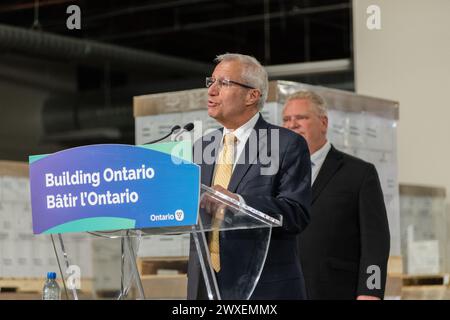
<point x="237" y="91"/>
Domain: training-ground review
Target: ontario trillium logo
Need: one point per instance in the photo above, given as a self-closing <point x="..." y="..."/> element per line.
<point x="179" y="215"/>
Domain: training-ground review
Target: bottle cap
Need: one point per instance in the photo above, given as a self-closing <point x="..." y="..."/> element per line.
<point x="51" y="275"/>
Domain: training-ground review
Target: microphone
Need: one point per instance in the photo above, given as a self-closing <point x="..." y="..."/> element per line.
<point x="174" y="128"/>
<point x="188" y="127"/>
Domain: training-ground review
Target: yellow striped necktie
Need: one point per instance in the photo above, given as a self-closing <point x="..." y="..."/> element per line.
<point x="224" y="170"/>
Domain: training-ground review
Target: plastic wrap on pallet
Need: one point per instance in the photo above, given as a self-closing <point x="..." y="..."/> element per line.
<point x="362" y="126"/>
<point x="423" y="229"/>
<point x="24" y="255"/>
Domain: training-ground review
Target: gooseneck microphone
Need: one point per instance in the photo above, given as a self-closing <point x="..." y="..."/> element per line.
<point x="188" y="127"/>
<point x="174" y="128"/>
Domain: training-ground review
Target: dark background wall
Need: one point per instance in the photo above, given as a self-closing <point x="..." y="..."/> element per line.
<point x="61" y="88"/>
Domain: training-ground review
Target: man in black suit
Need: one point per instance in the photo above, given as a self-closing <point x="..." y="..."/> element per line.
<point x="237" y="91"/>
<point x="345" y="248"/>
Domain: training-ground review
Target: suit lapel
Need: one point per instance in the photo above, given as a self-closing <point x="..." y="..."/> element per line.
<point x="249" y="156"/>
<point x="330" y="166"/>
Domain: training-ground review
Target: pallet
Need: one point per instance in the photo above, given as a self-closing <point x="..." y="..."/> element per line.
<point x="426" y="287"/>
<point x="163" y="277"/>
<point x="164" y="286"/>
<point x="162" y="265"/>
<point x="395" y="266"/>
<point x="424" y="292"/>
<point x="426" y="280"/>
<point x="394" y="280"/>
<point x="107" y="294"/>
<point x="21" y="296"/>
<point x="394" y="284"/>
<point x="21" y="285"/>
<point x="35" y="285"/>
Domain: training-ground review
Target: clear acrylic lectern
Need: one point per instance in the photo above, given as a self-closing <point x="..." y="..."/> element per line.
<point x="244" y="242"/>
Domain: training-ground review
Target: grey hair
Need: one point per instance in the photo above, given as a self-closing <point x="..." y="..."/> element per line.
<point x="315" y="99"/>
<point x="253" y="73"/>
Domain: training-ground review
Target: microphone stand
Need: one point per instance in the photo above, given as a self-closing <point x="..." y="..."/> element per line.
<point x="174" y="128"/>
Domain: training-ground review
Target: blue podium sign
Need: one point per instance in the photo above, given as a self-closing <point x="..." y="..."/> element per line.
<point x="113" y="186"/>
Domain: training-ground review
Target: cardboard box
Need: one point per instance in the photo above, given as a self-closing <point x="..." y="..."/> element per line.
<point x="162" y="245"/>
<point x="394" y="280"/>
<point x="13" y="168"/>
<point x="165" y="287"/>
<point x="423" y="229"/>
<point x="363" y="126"/>
<point x="170" y="102"/>
<point x="395" y="266"/>
<point x="394" y="285"/>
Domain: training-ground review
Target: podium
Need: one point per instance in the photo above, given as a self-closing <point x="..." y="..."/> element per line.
<point x="244" y="241"/>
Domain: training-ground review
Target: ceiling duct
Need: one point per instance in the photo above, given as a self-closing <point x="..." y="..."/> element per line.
<point x="39" y="43"/>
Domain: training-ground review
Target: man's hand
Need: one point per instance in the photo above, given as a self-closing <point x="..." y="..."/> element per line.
<point x="214" y="207"/>
<point x="226" y="192"/>
<point x="367" y="298"/>
<point x="211" y="205"/>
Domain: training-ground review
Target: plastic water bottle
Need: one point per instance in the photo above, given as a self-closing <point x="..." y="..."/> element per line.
<point x="51" y="289"/>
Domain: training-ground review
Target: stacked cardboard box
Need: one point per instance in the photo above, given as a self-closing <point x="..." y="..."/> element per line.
<point x="164" y="277"/>
<point x="424" y="242"/>
<point x="106" y="264"/>
<point x="423" y="229"/>
<point x="26" y="258"/>
<point x="363" y="126"/>
<point x="394" y="281"/>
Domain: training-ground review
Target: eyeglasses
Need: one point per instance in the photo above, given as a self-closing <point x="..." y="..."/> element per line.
<point x="225" y="83"/>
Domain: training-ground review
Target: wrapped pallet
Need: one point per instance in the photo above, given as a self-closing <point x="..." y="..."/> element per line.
<point x="26" y="258"/>
<point x="424" y="242"/>
<point x="362" y="126"/>
<point x="423" y="229"/>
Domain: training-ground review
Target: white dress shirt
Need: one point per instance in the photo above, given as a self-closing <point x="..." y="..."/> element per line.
<point x="317" y="159"/>
<point x="242" y="134"/>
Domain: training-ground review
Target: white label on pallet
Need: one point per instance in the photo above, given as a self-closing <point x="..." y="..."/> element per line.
<point x="423" y="257"/>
